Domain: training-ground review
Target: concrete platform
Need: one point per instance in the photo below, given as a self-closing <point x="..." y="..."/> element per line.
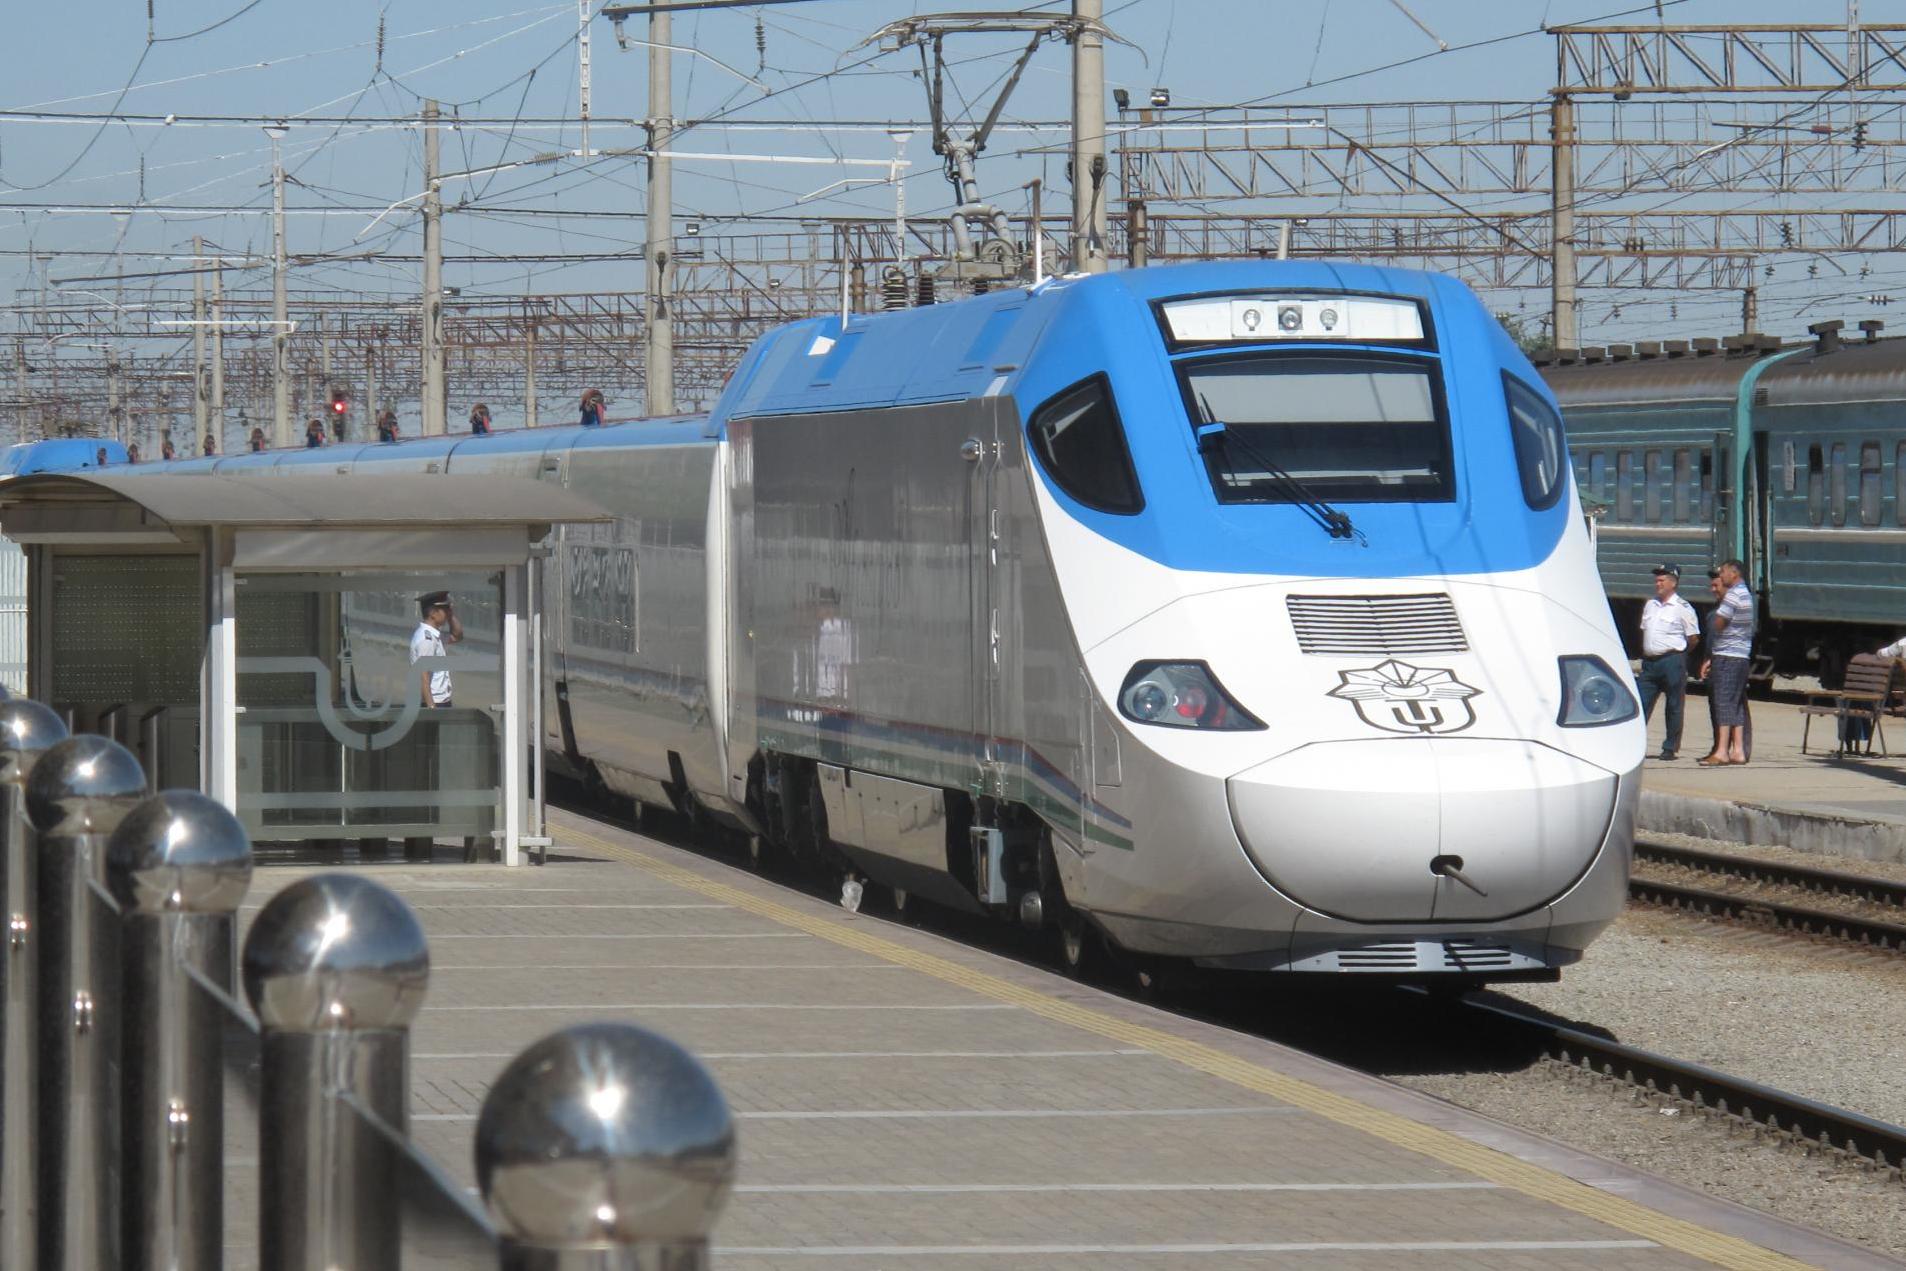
<point x="1818" y="801"/>
<point x="909" y="1102"/>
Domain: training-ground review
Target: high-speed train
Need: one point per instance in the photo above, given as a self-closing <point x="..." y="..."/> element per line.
<point x="1241" y="613"/>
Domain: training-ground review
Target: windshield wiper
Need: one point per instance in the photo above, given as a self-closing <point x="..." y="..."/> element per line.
<point x="1213" y="435"/>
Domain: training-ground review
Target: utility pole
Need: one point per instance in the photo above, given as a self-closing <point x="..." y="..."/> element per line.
<point x="280" y="318"/>
<point x="529" y="371"/>
<point x="20" y="384"/>
<point x="370" y="395"/>
<point x="582" y="68"/>
<point x="1137" y="235"/>
<point x="1562" y="222"/>
<point x="660" y="392"/>
<point x="433" y="424"/>
<point x="200" y="386"/>
<point x="218" y="355"/>
<point x="1088" y="139"/>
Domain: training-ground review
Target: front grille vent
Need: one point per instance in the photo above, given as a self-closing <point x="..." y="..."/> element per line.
<point x="1378" y="957"/>
<point x="1376" y="625"/>
<point x="1474" y="955"/>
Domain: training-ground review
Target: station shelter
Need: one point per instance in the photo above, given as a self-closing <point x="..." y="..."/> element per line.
<point x="252" y="636"/>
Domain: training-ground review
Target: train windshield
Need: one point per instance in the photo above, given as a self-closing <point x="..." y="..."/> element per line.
<point x="1343" y="427"/>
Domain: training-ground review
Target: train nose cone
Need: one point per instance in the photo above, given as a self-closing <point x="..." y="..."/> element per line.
<point x="1423" y="829"/>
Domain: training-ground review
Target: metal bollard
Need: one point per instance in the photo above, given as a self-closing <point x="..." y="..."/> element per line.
<point x="605" y="1148"/>
<point x="178" y="866"/>
<point x="26" y="730"/>
<point x="79" y="792"/>
<point x="336" y="968"/>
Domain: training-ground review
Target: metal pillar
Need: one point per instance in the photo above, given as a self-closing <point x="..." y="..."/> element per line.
<point x="1562" y="213"/>
<point x="433" y="378"/>
<point x="200" y="387"/>
<point x="335" y="967"/>
<point x="217" y="421"/>
<point x="79" y="792"/>
<point x="1088" y="140"/>
<point x="529" y="373"/>
<point x="1750" y="310"/>
<point x="1137" y="235"/>
<point x="659" y="392"/>
<point x="178" y="866"/>
<point x="27" y="729"/>
<point x="280" y="317"/>
<point x="605" y="1145"/>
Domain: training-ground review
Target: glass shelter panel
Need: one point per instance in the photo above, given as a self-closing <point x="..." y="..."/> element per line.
<point x="358" y="718"/>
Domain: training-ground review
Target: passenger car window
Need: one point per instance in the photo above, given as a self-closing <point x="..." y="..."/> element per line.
<point x="1683" y="486"/>
<point x="1789" y="477"/>
<point x="1899" y="483"/>
<point x="1870" y="496"/>
<point x="1654" y="476"/>
<point x="1598" y="475"/>
<point x="1625" y="486"/>
<point x="1536" y="430"/>
<point x="1081" y="445"/>
<point x="1707" y="488"/>
<point x="1836" y="484"/>
<point x="1816" y="486"/>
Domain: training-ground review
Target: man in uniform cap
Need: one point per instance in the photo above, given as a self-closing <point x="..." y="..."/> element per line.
<point x="437" y="626"/>
<point x="1669" y="632"/>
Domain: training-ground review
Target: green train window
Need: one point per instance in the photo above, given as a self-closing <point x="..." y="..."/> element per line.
<point x="1836" y="484"/>
<point x="1870" y="496"/>
<point x="1625" y="486"/>
<point x="1654" y="477"/>
<point x="1899" y="483"/>
<point x="1683" y="487"/>
<point x="1816" y="486"/>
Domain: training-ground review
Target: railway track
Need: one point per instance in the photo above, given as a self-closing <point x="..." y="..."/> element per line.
<point x="1772" y="913"/>
<point x="1707" y="1092"/>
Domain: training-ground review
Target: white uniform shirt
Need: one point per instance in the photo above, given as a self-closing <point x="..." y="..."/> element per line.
<point x="1667" y="626"/>
<point x="1897" y="649"/>
<point x="427" y="642"/>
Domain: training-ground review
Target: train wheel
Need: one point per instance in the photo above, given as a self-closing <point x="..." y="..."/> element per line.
<point x="1080" y="945"/>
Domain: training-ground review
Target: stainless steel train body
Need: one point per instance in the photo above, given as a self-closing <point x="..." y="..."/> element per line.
<point x="1003" y="603"/>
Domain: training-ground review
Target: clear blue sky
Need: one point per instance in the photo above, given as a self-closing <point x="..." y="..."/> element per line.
<point x="515" y="59"/>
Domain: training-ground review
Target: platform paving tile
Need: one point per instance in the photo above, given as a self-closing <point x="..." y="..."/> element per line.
<point x="1136" y="1218"/>
<point x="730" y="1028"/>
<point x="817" y="1080"/>
<point x="848" y="985"/>
<point x="891" y="1119"/>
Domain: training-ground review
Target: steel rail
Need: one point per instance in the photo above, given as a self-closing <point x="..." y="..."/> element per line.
<point x="1762" y="911"/>
<point x="1836" y="882"/>
<point x="1792" y="1116"/>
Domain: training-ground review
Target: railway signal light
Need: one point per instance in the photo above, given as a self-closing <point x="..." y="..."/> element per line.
<point x="340" y="401"/>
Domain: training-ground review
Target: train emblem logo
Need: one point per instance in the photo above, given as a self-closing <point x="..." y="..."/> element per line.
<point x="1400" y="698"/>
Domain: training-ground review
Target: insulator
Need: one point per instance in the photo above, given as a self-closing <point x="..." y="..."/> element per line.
<point x="925" y="292"/>
<point x="893" y="288"/>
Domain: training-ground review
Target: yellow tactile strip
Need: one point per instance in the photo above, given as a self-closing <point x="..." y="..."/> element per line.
<point x="1440" y="1145"/>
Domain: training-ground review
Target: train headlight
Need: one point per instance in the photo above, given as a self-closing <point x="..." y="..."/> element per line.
<point x="1181" y="695"/>
<point x="1593" y="695"/>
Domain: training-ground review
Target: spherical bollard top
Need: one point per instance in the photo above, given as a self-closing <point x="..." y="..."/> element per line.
<point x="335" y="951"/>
<point x="83" y="785"/>
<point x="606" y="1135"/>
<point x="27" y="730"/>
<point x="179" y="852"/>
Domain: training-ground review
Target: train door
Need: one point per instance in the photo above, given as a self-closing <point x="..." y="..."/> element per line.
<point x="1725" y="484"/>
<point x="981" y="451"/>
<point x="1760" y="519"/>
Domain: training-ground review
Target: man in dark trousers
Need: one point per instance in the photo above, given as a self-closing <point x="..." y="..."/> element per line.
<point x="1669" y="632"/>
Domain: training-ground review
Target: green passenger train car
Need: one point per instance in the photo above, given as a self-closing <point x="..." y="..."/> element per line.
<point x="1790" y="457"/>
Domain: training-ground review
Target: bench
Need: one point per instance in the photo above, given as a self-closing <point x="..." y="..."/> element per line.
<point x="1861" y="700"/>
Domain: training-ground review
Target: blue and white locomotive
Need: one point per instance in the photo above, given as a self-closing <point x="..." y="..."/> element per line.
<point x="1236" y="612"/>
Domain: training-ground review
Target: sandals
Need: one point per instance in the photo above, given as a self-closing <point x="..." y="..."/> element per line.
<point x="1712" y="761"/>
